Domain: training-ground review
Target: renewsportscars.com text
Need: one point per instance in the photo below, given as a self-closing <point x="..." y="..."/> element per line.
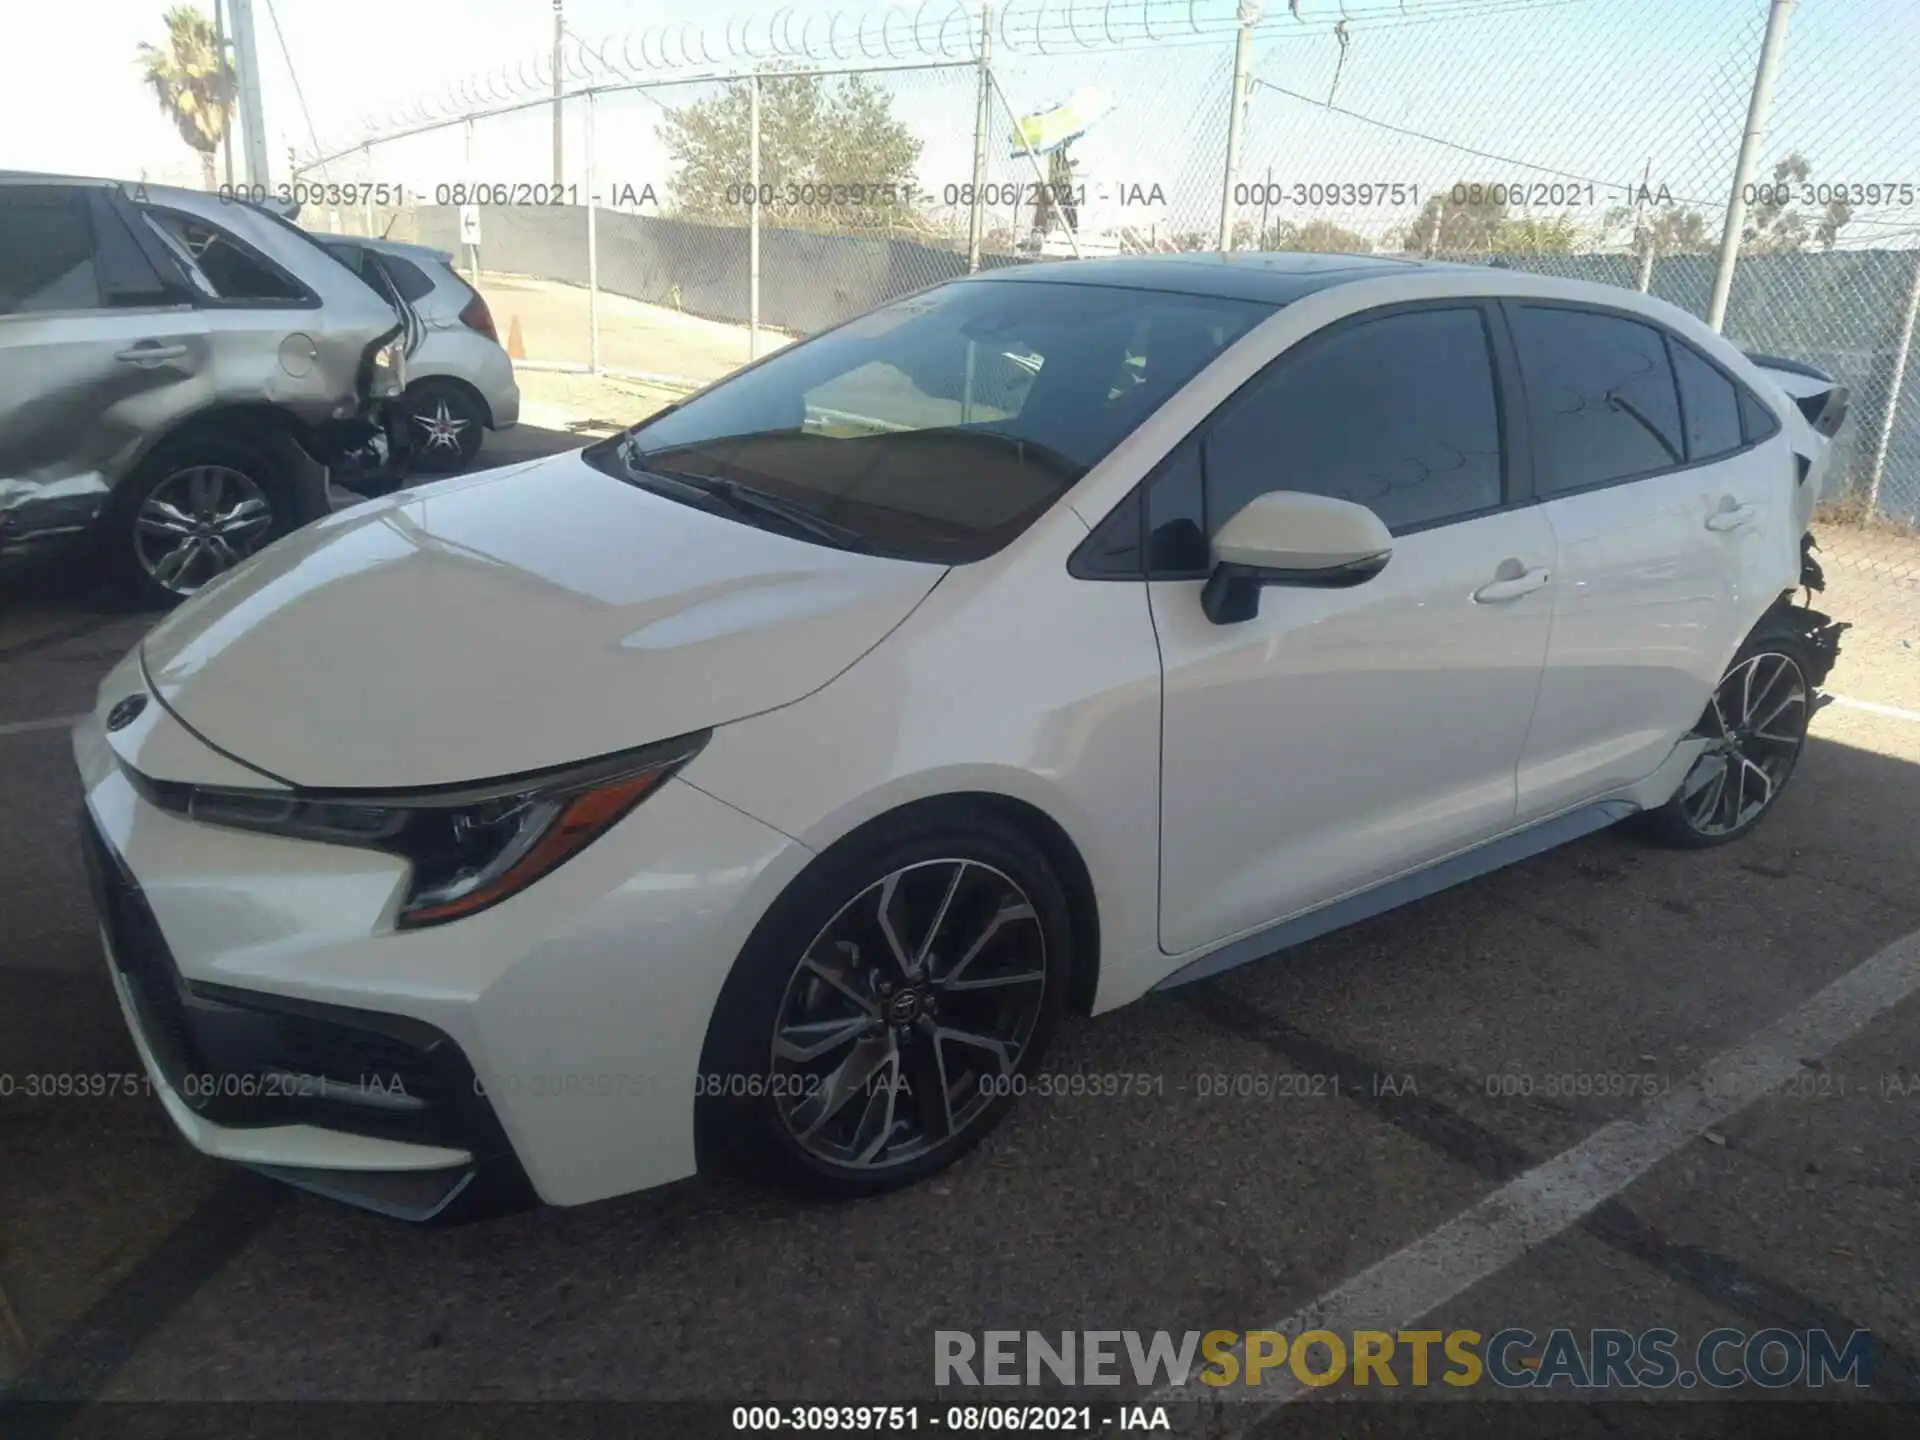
<point x="1512" y="1359"/>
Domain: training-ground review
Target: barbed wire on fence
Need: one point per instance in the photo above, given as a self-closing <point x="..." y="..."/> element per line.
<point x="934" y="30"/>
<point x="1398" y="125"/>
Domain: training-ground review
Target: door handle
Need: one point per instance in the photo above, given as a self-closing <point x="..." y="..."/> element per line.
<point x="150" y="353"/>
<point x="1496" y="592"/>
<point x="1735" y="518"/>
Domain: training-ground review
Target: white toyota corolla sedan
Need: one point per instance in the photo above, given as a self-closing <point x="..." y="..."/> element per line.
<point x="764" y="784"/>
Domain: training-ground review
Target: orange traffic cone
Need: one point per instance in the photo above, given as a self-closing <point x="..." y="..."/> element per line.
<point x="516" y="347"/>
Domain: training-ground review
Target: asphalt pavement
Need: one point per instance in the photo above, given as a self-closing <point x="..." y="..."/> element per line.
<point x="1478" y="1112"/>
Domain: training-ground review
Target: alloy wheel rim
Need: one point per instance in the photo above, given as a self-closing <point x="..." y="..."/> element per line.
<point x="442" y="426"/>
<point x="1756" y="725"/>
<point x="908" y="1014"/>
<point x="198" y="523"/>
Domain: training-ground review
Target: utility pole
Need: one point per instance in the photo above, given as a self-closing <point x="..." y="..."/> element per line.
<point x="1643" y="232"/>
<point x="976" y="210"/>
<point x="559" y="150"/>
<point x="753" y="217"/>
<point x="246" y="68"/>
<point x="1249" y="16"/>
<point x="1757" y="111"/>
<point x="225" y="68"/>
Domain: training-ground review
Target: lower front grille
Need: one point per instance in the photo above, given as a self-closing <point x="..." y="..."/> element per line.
<point x="243" y="1058"/>
<point x="140" y="954"/>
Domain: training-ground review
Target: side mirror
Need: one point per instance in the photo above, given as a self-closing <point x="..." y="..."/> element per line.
<point x="1287" y="537"/>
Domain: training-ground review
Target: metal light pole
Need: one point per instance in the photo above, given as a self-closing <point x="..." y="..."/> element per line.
<point x="246" y="68"/>
<point x="1249" y="15"/>
<point x="593" y="246"/>
<point x="976" y="211"/>
<point x="1757" y="111"/>
<point x="753" y="217"/>
<point x="1894" y="387"/>
<point x="225" y="68"/>
<point x="473" y="249"/>
<point x="559" y="151"/>
<point x="1644" y="232"/>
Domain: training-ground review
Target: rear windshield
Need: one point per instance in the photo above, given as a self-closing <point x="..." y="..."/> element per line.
<point x="939" y="427"/>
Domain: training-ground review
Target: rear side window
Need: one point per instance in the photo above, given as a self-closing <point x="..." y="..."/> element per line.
<point x="1709" y="405"/>
<point x="234" y="271"/>
<point x="408" y="278"/>
<point x="1602" y="397"/>
<point x="46" y="251"/>
<point x="1756" y="420"/>
<point x="1396" y="413"/>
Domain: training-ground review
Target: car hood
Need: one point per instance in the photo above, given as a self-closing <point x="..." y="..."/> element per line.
<point x="500" y="623"/>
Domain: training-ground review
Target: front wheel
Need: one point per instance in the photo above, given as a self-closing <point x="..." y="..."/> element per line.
<point x="1756" y="727"/>
<point x="889" y="1008"/>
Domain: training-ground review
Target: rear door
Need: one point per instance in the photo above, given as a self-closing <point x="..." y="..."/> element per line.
<point x="97" y="351"/>
<point x="1342" y="736"/>
<point x="1663" y="511"/>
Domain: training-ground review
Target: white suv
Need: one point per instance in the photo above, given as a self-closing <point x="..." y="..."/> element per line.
<point x="764" y="784"/>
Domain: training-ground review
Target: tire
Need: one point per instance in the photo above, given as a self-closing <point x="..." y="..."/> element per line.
<point x="191" y="511"/>
<point x="445" y="427"/>
<point x="796" y="1084"/>
<point x="1771" y="669"/>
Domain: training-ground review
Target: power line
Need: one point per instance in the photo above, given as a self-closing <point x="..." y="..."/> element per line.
<point x="294" y="75"/>
<point x="1438" y="139"/>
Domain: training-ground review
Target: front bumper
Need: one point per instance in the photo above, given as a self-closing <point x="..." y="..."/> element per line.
<point x="376" y="1109"/>
<point x="546" y="1049"/>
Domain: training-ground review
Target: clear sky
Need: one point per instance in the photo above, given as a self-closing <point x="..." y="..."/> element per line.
<point x="1599" y="89"/>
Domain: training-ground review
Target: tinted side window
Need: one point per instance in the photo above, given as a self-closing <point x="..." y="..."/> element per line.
<point x="1709" y="404"/>
<point x="1397" y="414"/>
<point x="408" y="278"/>
<point x="1176" y="517"/>
<point x="1756" y="420"/>
<point x="46" y="251"/>
<point x="1601" y="394"/>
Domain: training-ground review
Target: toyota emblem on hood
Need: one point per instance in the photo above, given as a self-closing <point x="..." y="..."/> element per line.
<point x="125" y="711"/>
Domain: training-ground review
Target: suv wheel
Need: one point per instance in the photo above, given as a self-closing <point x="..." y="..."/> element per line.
<point x="1756" y="726"/>
<point x="889" y="1008"/>
<point x="191" y="512"/>
<point x="444" y="427"/>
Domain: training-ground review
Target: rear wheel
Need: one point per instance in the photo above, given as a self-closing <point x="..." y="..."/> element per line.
<point x="445" y="426"/>
<point x="888" y="1009"/>
<point x="1756" y="727"/>
<point x="191" y="512"/>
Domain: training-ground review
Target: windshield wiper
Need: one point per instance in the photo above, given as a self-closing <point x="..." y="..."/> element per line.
<point x="746" y="500"/>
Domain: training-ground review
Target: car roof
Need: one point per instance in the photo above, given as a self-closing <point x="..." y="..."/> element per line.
<point x="139" y="189"/>
<point x="1277" y="277"/>
<point x="406" y="250"/>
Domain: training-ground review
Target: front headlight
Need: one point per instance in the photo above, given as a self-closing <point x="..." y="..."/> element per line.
<point x="470" y="846"/>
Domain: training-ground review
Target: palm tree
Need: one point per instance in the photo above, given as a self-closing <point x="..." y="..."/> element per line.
<point x="192" y="81"/>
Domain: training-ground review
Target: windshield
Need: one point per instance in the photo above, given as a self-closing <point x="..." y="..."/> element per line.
<point x="938" y="427"/>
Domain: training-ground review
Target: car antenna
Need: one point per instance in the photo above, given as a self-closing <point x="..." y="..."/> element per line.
<point x="390" y="223"/>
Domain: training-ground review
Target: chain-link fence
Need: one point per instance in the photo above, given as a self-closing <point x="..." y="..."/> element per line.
<point x="698" y="197"/>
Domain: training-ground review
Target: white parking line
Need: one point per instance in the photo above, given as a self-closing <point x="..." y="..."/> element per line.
<point x="1553" y="1196"/>
<point x="1874" y="707"/>
<point x="28" y="727"/>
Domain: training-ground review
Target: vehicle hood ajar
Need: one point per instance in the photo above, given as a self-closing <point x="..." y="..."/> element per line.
<point x="496" y="624"/>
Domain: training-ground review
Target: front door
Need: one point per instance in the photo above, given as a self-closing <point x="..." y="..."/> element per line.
<point x="1342" y="736"/>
